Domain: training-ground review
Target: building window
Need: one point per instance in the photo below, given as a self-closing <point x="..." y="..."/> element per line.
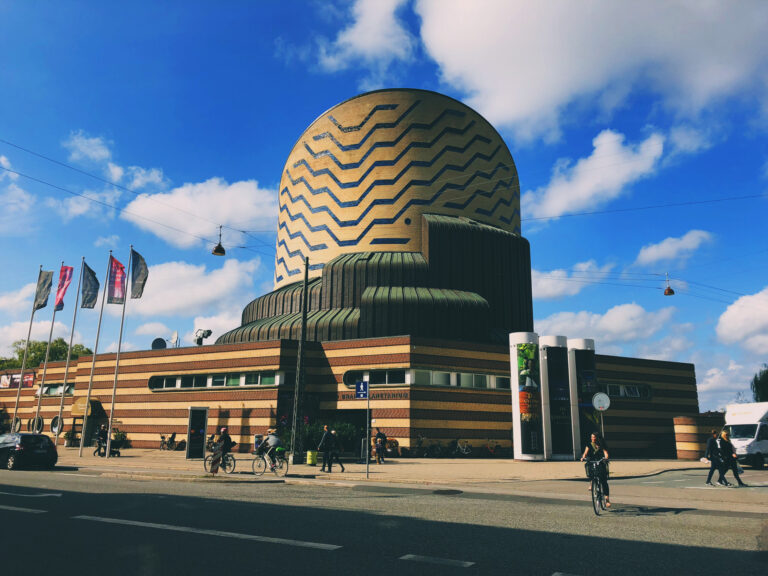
<point x="187" y="381"/>
<point x="502" y="382"/>
<point x="199" y="381"/>
<point x="169" y="382"/>
<point x="441" y="378"/>
<point x="267" y="379"/>
<point x="395" y="376"/>
<point x="466" y="380"/>
<point x="481" y="381"/>
<point x="218" y="379"/>
<point x="351" y="377"/>
<point x="422" y="377"/>
<point x="252" y="379"/>
<point x="633" y="391"/>
<point x="233" y="379"/>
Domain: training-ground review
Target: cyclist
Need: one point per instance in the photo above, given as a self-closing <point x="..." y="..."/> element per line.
<point x="269" y="446"/>
<point x="226" y="442"/>
<point x="595" y="451"/>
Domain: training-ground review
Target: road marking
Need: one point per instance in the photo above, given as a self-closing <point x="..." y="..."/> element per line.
<point x="435" y="560"/>
<point x="28" y="510"/>
<point x="266" y="539"/>
<point x="45" y="495"/>
<point x="660" y="482"/>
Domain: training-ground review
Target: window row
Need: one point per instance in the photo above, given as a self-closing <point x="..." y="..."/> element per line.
<point x="418" y="377"/>
<point x="56" y="389"/>
<point x="224" y="380"/>
<point x="636" y="391"/>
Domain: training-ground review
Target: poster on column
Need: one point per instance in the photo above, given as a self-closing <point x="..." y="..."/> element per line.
<point x="559" y="401"/>
<point x="530" y="399"/>
<point x="587" y="386"/>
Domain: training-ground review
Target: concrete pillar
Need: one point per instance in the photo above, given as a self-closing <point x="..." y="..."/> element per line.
<point x="583" y="385"/>
<point x="527" y="426"/>
<point x="556" y="398"/>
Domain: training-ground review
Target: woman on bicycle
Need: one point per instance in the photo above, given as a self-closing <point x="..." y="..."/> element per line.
<point x="596" y="451"/>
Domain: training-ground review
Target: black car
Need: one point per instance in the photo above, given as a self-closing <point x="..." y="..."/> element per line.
<point x="19" y="449"/>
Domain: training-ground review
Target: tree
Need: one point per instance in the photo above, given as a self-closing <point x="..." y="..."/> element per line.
<point x="759" y="385"/>
<point x="36" y="354"/>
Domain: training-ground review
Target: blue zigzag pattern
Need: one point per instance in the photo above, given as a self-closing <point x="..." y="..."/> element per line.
<point x="299" y="234"/>
<point x="368" y="117"/>
<point x="375" y="128"/>
<point x="381" y="182"/>
<point x="378" y="163"/>
<point x="294" y="271"/>
<point x="390" y="143"/>
<point x="499" y="184"/>
<point x="378" y="221"/>
<point x="390" y="201"/>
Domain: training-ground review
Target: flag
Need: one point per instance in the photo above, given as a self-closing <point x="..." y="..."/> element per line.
<point x="116" y="282"/>
<point x="65" y="277"/>
<point x="139" y="274"/>
<point x="90" y="290"/>
<point x="44" y="281"/>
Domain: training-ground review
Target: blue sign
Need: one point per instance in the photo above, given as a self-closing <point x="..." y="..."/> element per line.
<point x="361" y="390"/>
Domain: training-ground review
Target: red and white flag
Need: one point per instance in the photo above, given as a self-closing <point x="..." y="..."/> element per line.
<point x="116" y="282"/>
<point x="65" y="277"/>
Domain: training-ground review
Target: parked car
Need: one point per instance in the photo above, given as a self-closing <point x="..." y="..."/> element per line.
<point x="26" y="449"/>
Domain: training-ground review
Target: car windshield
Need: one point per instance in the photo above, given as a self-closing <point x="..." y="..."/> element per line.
<point x="35" y="441"/>
<point x="742" y="431"/>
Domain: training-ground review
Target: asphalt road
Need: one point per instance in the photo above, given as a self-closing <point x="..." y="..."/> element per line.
<point x="68" y="522"/>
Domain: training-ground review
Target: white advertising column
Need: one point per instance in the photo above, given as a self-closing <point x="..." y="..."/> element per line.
<point x="556" y="398"/>
<point x="527" y="425"/>
<point x="583" y="385"/>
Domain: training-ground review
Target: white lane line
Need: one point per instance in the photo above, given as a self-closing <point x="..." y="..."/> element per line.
<point x="27" y="510"/>
<point x="42" y="495"/>
<point x="435" y="560"/>
<point x="76" y="474"/>
<point x="238" y="535"/>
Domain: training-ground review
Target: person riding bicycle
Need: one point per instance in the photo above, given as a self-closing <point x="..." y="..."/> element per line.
<point x="594" y="452"/>
<point x="226" y="442"/>
<point x="269" y="447"/>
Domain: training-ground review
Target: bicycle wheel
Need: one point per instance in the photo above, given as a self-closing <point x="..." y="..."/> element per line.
<point x="281" y="467"/>
<point x="207" y="462"/>
<point x="228" y="463"/>
<point x="597" y="494"/>
<point x="259" y="466"/>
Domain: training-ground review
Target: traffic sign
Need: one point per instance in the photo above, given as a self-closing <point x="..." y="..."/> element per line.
<point x="361" y="390"/>
<point x="601" y="401"/>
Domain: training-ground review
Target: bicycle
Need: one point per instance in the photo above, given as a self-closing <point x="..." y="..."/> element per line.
<point x="596" y="470"/>
<point x="459" y="448"/>
<point x="168" y="443"/>
<point x="280" y="466"/>
<point x="227" y="464"/>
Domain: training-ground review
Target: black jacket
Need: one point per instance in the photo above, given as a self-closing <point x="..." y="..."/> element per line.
<point x="726" y="450"/>
<point x="713" y="451"/>
<point x="327" y="442"/>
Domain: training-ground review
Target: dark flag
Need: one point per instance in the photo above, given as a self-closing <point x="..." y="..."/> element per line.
<point x="116" y="282"/>
<point x="44" y="281"/>
<point x="65" y="277"/>
<point x="138" y="274"/>
<point x="90" y="291"/>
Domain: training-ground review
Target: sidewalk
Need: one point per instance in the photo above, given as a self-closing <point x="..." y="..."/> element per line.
<point x="480" y="477"/>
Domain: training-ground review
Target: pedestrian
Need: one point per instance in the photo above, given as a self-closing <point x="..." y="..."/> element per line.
<point x="730" y="461"/>
<point x="102" y="438"/>
<point x="326" y="446"/>
<point x="596" y="450"/>
<point x="335" y="451"/>
<point x="713" y="455"/>
<point x="378" y="450"/>
<point x="381" y="439"/>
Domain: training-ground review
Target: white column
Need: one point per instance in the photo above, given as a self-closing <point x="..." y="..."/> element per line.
<point x="527" y="429"/>
<point x="574" y="369"/>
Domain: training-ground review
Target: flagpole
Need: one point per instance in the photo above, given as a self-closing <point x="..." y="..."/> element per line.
<point x="117" y="358"/>
<point x="45" y="362"/>
<point x="69" y="353"/>
<point x="93" y="363"/>
<point x="24" y="361"/>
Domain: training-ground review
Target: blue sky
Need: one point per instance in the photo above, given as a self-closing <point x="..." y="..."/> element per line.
<point x="640" y="133"/>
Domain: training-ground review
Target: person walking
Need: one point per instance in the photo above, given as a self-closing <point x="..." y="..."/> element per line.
<point x="326" y="446"/>
<point x="101" y="439"/>
<point x="335" y="451"/>
<point x="730" y="462"/>
<point x="713" y="455"/>
<point x="381" y="445"/>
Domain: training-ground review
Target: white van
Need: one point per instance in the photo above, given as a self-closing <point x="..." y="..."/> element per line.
<point x="747" y="425"/>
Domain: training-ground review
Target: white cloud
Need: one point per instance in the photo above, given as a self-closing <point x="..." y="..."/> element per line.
<point x="5" y="163"/>
<point x="114" y="172"/>
<point x="109" y="241"/>
<point x="15" y="331"/>
<point x="239" y="204"/>
<point x="524" y="64"/>
<point x="124" y="347"/>
<point x="720" y="380"/>
<point x="595" y="180"/>
<point x="153" y="329"/>
<point x="99" y="206"/>
<point x="673" y="248"/>
<point x="16" y="216"/>
<point x="143" y="177"/>
<point x="218" y="324"/>
<point x="686" y="139"/>
<point x="19" y="301"/>
<point x="87" y="148"/>
<point x="745" y="322"/>
<point x="558" y="283"/>
<point x="622" y="323"/>
<point x="376" y="38"/>
<point x="179" y="288"/>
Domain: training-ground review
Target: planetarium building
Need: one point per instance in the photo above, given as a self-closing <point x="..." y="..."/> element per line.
<point x="403" y="209"/>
